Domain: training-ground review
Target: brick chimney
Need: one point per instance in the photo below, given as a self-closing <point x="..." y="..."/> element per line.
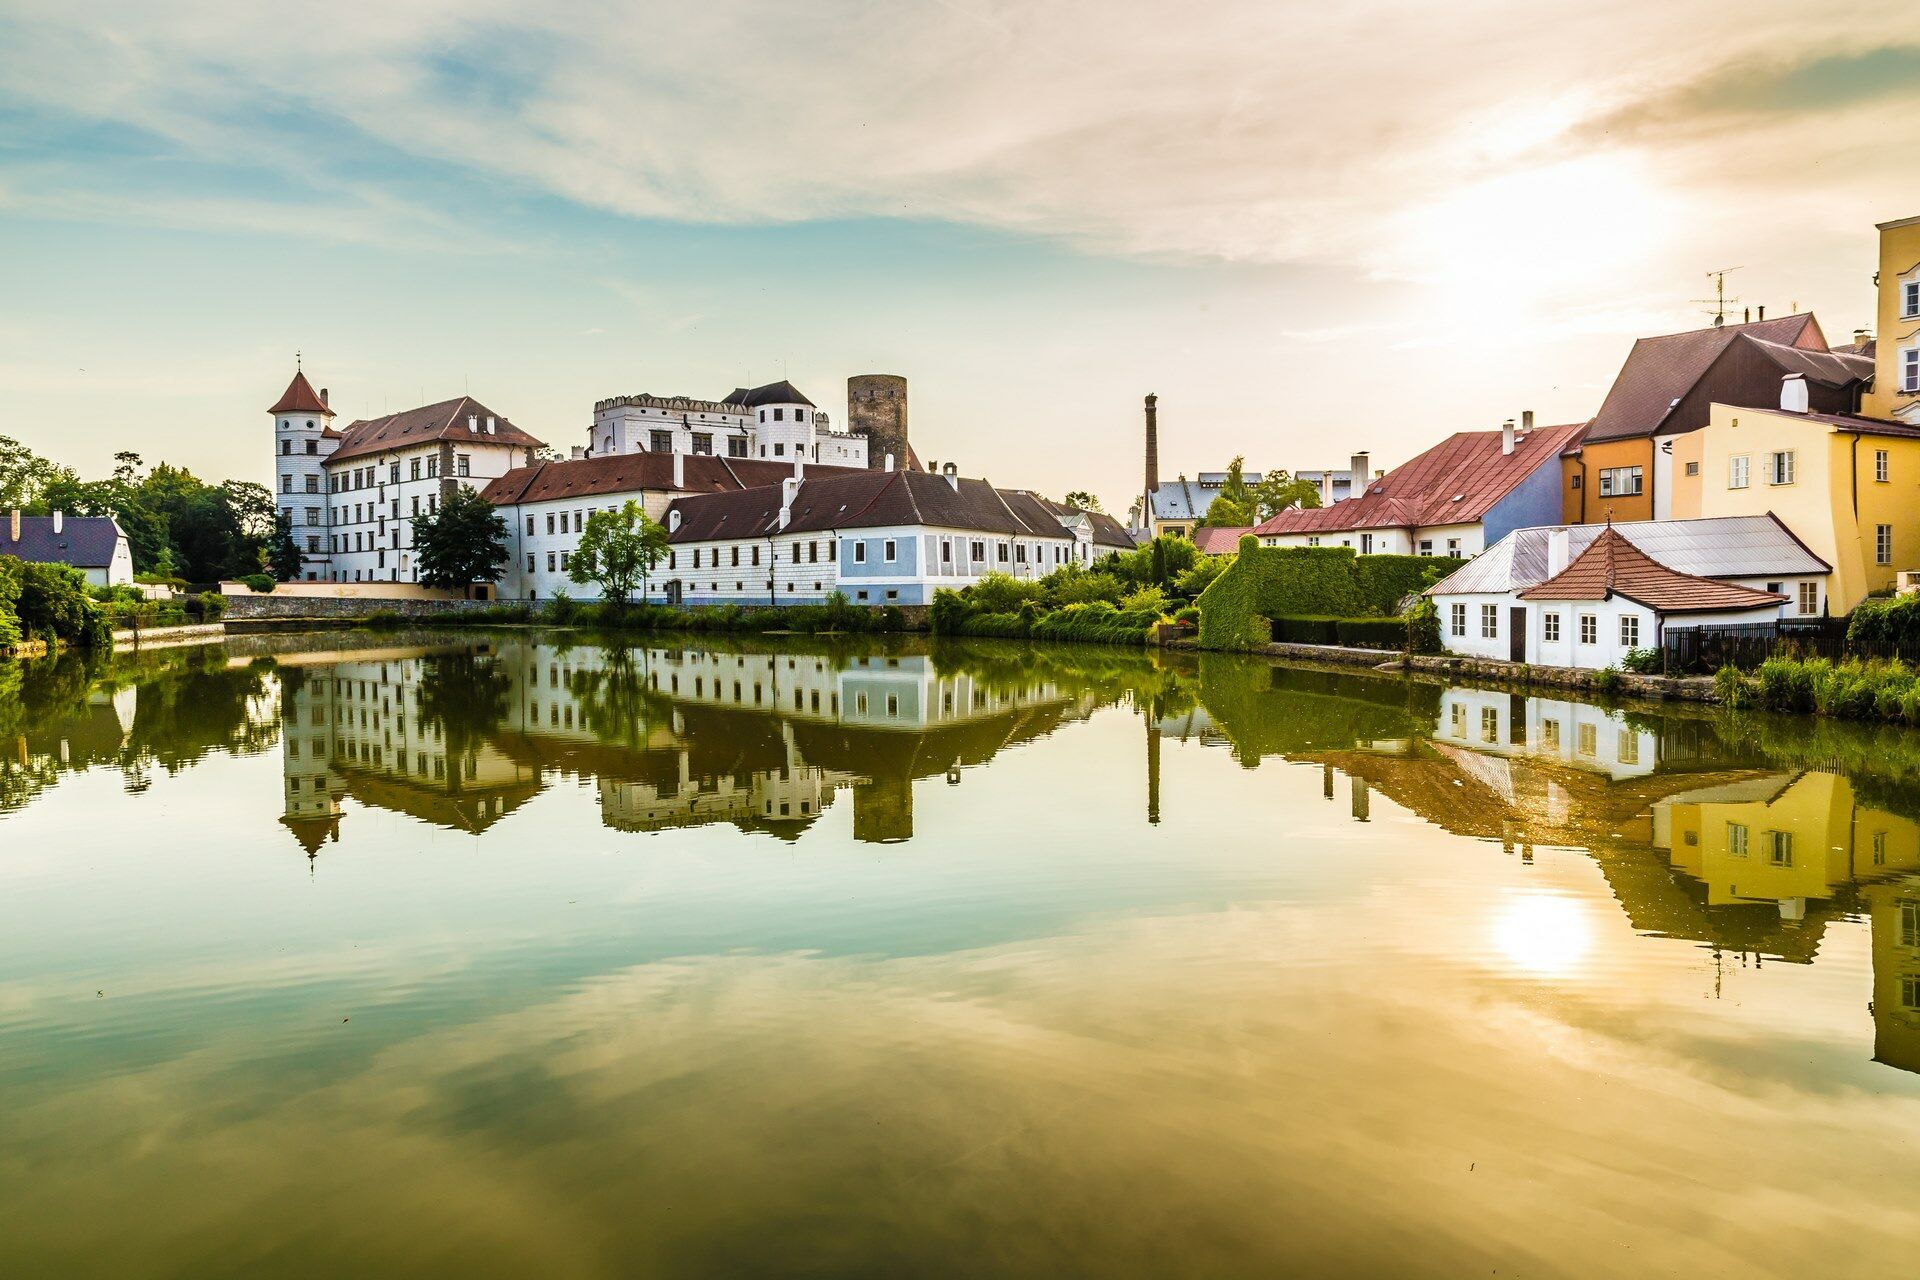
<point x="1153" y="460"/>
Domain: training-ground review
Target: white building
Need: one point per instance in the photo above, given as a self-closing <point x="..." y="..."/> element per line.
<point x="95" y="545"/>
<point x="351" y="494"/>
<point x="775" y="422"/>
<point x="1530" y="600"/>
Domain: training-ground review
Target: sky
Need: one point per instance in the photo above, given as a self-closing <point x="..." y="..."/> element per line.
<point x="1311" y="229"/>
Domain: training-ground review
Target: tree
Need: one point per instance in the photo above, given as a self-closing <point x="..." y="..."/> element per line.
<point x="1081" y="500"/>
<point x="25" y="477"/>
<point x="618" y="549"/>
<point x="1234" y="506"/>
<point x="1278" y="491"/>
<point x="283" y="553"/>
<point x="462" y="543"/>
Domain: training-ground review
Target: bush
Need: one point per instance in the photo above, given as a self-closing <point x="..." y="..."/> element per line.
<point x="1423" y="627"/>
<point x="1731" y="687"/>
<point x="892" y="618"/>
<point x="51" y="602"/>
<point x="1645" y="662"/>
<point x="562" y="611"/>
<point x="1306" y="630"/>
<point x="259" y="582"/>
<point x="1001" y="593"/>
<point x="1384" y="581"/>
<point x="1372" y="633"/>
<point x="1894" y="621"/>
<point x="1189" y="616"/>
<point x="1606" y="682"/>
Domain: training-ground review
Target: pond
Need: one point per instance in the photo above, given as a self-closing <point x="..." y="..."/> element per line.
<point x="516" y="954"/>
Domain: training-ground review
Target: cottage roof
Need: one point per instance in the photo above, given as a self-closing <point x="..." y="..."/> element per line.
<point x="1611" y="565"/>
<point x="1717" y="547"/>
<point x="1455" y="482"/>
<point x="1662" y="369"/>
<point x="857" y="500"/>
<point x="85" y="542"/>
<point x="446" y="420"/>
<point x="1219" y="541"/>
<point x="300" y="397"/>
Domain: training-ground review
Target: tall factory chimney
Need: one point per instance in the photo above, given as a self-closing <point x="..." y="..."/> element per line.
<point x="1153" y="461"/>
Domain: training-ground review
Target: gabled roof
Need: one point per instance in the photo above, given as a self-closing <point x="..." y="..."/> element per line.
<point x="635" y="472"/>
<point x="1716" y="547"/>
<point x="1455" y="482"/>
<point x="859" y="500"/>
<point x="782" y="392"/>
<point x="1218" y="541"/>
<point x="446" y="420"/>
<point x="300" y="397"/>
<point x="85" y="542"/>
<point x="1660" y="370"/>
<point x="1832" y="368"/>
<point x="1184" y="499"/>
<point x="1612" y="566"/>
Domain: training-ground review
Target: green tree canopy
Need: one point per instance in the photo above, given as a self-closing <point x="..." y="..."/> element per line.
<point x="462" y="543"/>
<point x="618" y="549"/>
<point x="1083" y="500"/>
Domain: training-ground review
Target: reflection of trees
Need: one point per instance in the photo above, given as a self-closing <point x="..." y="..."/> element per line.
<point x="617" y="701"/>
<point x="464" y="696"/>
<point x="204" y="706"/>
<point x="1268" y="710"/>
<point x="37" y="699"/>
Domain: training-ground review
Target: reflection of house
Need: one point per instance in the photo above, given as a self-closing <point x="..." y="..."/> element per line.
<point x="1576" y="734"/>
<point x="1893" y="907"/>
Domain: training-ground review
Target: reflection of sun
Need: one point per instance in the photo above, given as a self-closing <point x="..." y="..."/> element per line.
<point x="1542" y="934"/>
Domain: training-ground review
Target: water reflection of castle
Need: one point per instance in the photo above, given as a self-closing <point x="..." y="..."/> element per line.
<point x="670" y="736"/>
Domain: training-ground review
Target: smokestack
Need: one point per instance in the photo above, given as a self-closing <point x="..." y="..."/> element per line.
<point x="1760" y="313"/>
<point x="1358" y="466"/>
<point x="1153" y="460"/>
<point x="799" y="466"/>
<point x="789" y="490"/>
<point x="1506" y="436"/>
<point x="679" y="469"/>
<point x="59" y="521"/>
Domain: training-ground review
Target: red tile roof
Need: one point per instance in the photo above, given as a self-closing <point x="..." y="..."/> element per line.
<point x="1611" y="565"/>
<point x="632" y="472"/>
<point x="1455" y="482"/>
<point x="1660" y="370"/>
<point x="446" y="420"/>
<point x="1219" y="541"/>
<point x="300" y="397"/>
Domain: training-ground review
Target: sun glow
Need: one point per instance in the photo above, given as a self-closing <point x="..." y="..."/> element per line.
<point x="1543" y="934"/>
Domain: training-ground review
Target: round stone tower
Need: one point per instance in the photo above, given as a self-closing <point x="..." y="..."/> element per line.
<point x="877" y="409"/>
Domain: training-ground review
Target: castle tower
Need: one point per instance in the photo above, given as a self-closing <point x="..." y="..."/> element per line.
<point x="303" y="439"/>
<point x="877" y="409"/>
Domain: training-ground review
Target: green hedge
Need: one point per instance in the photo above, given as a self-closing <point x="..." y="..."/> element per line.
<point x="1295" y="583"/>
<point x="1890" y="621"/>
<point x="1849" y="690"/>
<point x="1373" y="633"/>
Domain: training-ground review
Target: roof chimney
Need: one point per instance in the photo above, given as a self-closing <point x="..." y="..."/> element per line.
<point x="14" y="520"/>
<point x="1861" y="337"/>
<point x="1559" y="542"/>
<point x="1793" y="393"/>
<point x="679" y="470"/>
<point x="1760" y="313"/>
<point x="323" y="397"/>
<point x="789" y="490"/>
<point x="1506" y="436"/>
<point x="889" y="462"/>
<point x="1359" y="472"/>
<point x="1526" y="420"/>
<point x="952" y="473"/>
<point x="59" y="521"/>
<point x="799" y="465"/>
<point x="673" y="520"/>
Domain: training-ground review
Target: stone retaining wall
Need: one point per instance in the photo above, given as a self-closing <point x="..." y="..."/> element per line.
<point x="243" y="608"/>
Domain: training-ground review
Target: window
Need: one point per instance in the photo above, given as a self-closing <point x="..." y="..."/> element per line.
<point x="1459" y="620"/>
<point x="286" y="446"/>
<point x="1426" y="546"/>
<point x="286" y="484"/>
<point x="1883" y="544"/>
<point x="779" y="449"/>
<point x="530" y="568"/>
<point x="1629" y="747"/>
<point x="1909" y="299"/>
<point x="1366" y="544"/>
<point x="979" y="551"/>
<point x="1489" y="724"/>
<point x="702" y="442"/>
<point x="1879" y="848"/>
<point x="1589" y="628"/>
<point x="1620" y="482"/>
<point x="1459" y="720"/>
<point x="416" y="511"/>
<point x="1809" y="599"/>
<point x="888" y="551"/>
<point x="736" y="556"/>
<point x="737" y="447"/>
<point x="1737" y="471"/>
<point x="1881" y="470"/>
<point x="1910" y="369"/>
<point x="1001" y="553"/>
<point x="393" y="473"/>
<point x="1910" y="924"/>
<point x="464" y="464"/>
<point x="1780" y="848"/>
<point x="1587" y="739"/>
<point x="1574" y="483"/>
<point x="1550" y="627"/>
<point x="1693" y="468"/>
<point x="313" y="484"/>
<point x="433" y="466"/>
<point x="1453" y="548"/>
<point x="1630" y="630"/>
<point x="1780" y="467"/>
<point x="313" y="446"/>
<point x="551" y="557"/>
<point x="661" y="441"/>
<point x="313" y="516"/>
<point x="413" y="473"/>
<point x="1736" y="840"/>
<point x="1550" y="734"/>
<point x="1489" y="622"/>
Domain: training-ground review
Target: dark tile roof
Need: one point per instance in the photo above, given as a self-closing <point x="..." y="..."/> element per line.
<point x="1455" y="482"/>
<point x="300" y="397"/>
<point x="1660" y="370"/>
<point x="782" y="392"/>
<point x="855" y="500"/>
<point x="85" y="542"/>
<point x="1857" y="425"/>
<point x="446" y="420"/>
<point x="1611" y="565"/>
<point x="1833" y="368"/>
<point x="632" y="472"/>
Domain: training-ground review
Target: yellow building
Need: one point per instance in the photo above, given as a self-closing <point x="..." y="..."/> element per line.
<point x="1896" y="380"/>
<point x="1848" y="487"/>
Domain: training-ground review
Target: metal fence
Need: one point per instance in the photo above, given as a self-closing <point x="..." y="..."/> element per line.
<point x="1687" y="650"/>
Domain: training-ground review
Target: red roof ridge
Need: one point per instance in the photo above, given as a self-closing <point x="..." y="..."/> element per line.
<point x="300" y="397"/>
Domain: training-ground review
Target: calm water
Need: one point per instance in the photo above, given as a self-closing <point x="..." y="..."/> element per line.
<point x="357" y="956"/>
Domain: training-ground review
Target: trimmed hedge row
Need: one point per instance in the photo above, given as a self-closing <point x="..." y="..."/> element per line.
<point x="1264" y="583"/>
<point x="1355" y="633"/>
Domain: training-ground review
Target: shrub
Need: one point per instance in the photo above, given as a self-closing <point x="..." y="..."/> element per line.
<point x="1145" y="599"/>
<point x="1190" y="615"/>
<point x="1423" y="627"/>
<point x="1306" y="630"/>
<point x="1645" y="662"/>
<point x="51" y="602"/>
<point x="947" y="612"/>
<point x="383" y="620"/>
<point x="1001" y="593"/>
<point x="259" y="582"/>
<point x="1606" y="682"/>
<point x="1894" y="622"/>
<point x="1372" y="633"/>
<point x="1384" y="581"/>
<point x="562" y="611"/>
<point x="1731" y="687"/>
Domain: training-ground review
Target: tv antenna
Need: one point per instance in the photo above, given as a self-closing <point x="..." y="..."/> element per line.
<point x="1719" y="301"/>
